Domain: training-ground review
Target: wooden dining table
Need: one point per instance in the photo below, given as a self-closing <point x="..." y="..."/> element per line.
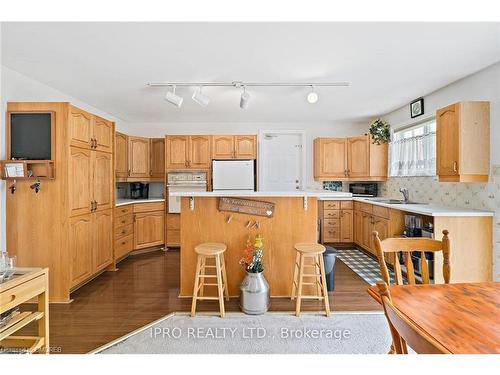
<point x="464" y="318"/>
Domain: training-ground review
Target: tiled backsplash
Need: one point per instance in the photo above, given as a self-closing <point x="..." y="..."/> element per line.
<point x="481" y="196"/>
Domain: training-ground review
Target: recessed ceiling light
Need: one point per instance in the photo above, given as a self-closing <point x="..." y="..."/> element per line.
<point x="200" y="98"/>
<point x="245" y="98"/>
<point x="171" y="97"/>
<point x="312" y="97"/>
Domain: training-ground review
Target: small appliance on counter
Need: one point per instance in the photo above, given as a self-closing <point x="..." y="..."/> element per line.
<point x="364" y="189"/>
<point x="138" y="190"/>
<point x="233" y="175"/>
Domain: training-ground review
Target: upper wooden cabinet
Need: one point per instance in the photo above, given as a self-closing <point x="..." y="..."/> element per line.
<point x="463" y="142"/>
<point x="234" y="147"/>
<point x="138" y="157"/>
<point x="188" y="151"/>
<point x="157" y="155"/>
<point x="89" y="131"/>
<point x="102" y="181"/>
<point x="353" y="159"/>
<point x="121" y="155"/>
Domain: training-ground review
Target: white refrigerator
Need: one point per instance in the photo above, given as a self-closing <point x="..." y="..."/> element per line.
<point x="233" y="175"/>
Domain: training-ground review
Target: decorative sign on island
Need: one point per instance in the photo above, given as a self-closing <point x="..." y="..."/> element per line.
<point x="246" y="206"/>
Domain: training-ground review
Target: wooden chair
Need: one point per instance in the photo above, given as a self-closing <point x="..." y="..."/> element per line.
<point x="407" y="246"/>
<point x="405" y="331"/>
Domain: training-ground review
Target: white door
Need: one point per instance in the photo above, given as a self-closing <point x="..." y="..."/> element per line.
<point x="281" y="161"/>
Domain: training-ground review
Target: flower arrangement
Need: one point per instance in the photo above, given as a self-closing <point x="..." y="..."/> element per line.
<point x="252" y="255"/>
<point x="380" y="131"/>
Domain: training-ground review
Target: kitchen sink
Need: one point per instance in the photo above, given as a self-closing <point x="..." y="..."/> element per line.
<point x="393" y="201"/>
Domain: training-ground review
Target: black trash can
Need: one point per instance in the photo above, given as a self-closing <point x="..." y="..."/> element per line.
<point x="329" y="257"/>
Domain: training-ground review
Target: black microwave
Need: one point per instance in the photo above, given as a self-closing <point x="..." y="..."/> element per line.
<point x="364" y="189"/>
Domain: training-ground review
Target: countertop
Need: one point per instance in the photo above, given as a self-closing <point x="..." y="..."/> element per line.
<point x="422" y="209"/>
<point x="123" y="202"/>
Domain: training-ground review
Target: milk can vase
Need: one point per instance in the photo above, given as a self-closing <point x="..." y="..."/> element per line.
<point x="254" y="298"/>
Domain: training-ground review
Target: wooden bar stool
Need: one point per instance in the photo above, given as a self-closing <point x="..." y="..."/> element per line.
<point x="207" y="251"/>
<point x="314" y="252"/>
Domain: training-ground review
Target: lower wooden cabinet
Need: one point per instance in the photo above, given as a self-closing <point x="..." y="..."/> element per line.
<point x="337" y="222"/>
<point x="149" y="229"/>
<point x="90" y="244"/>
<point x="346" y="226"/>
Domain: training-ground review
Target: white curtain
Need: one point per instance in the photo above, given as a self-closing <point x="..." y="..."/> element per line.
<point x="413" y="152"/>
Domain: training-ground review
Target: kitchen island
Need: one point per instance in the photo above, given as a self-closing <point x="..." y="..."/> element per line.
<point x="294" y="220"/>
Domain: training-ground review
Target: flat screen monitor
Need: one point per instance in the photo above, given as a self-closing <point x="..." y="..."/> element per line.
<point x="31" y="136"/>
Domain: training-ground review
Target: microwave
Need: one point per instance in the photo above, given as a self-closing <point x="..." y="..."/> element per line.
<point x="364" y="189"/>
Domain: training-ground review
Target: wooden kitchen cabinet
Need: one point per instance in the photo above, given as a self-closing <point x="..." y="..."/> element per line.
<point x="103" y="239"/>
<point x="121" y="156"/>
<point x="157" y="149"/>
<point x="336" y="221"/>
<point x="80" y="248"/>
<point x="346" y="226"/>
<point x="102" y="180"/>
<point x="89" y="131"/>
<point x="80" y="176"/>
<point x="222" y="147"/>
<point x="177" y="147"/>
<point x="188" y="152"/>
<point x="139" y="158"/>
<point x="103" y="133"/>
<point x="358" y="226"/>
<point x="349" y="159"/>
<point x="245" y="147"/>
<point x="463" y="142"/>
<point x="199" y="152"/>
<point x="149" y="229"/>
<point x="234" y="147"/>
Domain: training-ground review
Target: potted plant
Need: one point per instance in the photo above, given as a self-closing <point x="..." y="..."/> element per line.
<point x="254" y="297"/>
<point x="380" y="131"/>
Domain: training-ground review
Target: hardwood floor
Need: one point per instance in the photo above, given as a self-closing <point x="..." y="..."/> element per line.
<point x="145" y="288"/>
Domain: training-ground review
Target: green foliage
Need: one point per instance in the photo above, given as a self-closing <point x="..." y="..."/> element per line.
<point x="380" y="131"/>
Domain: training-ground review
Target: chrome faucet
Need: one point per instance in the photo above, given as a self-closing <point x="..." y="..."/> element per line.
<point x="406" y="194"/>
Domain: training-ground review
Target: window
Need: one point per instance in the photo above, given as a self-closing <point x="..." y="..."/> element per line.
<point x="413" y="151"/>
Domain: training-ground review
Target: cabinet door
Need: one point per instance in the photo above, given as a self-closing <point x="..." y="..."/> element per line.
<point x="358" y="227"/>
<point x="346" y="226"/>
<point x="245" y="147"/>
<point x="102" y="186"/>
<point x="80" y="248"/>
<point x="447" y="141"/>
<point x="366" y="231"/>
<point x="80" y="176"/>
<point x="138" y="157"/>
<point x="80" y="128"/>
<point x="177" y="151"/>
<point x="358" y="157"/>
<point x="149" y="229"/>
<point x="103" y="134"/>
<point x="332" y="157"/>
<point x="103" y="239"/>
<point x="121" y="159"/>
<point x="382" y="227"/>
<point x="199" y="152"/>
<point x="223" y="147"/>
<point x="157" y="149"/>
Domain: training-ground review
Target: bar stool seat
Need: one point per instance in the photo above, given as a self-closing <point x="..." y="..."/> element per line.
<point x="314" y="253"/>
<point x="207" y="251"/>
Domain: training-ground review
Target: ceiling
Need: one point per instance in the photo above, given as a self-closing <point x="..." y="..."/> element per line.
<point x="108" y="65"/>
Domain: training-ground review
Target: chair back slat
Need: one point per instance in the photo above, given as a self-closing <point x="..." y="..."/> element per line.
<point x="404" y="331"/>
<point x="424" y="268"/>
<point x="406" y="246"/>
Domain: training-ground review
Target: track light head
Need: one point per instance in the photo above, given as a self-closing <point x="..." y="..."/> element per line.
<point x="244" y="99"/>
<point x="171" y="97"/>
<point x="200" y="98"/>
<point x="312" y="97"/>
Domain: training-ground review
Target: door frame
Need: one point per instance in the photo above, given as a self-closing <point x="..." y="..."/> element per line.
<point x="260" y="153"/>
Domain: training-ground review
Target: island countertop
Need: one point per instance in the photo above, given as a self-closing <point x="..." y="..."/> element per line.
<point x="244" y="193"/>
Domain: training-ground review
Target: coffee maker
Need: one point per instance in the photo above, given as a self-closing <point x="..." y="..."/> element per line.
<point x="138" y="190"/>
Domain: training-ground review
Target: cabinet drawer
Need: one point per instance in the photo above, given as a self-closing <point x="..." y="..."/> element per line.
<point x="124" y="231"/>
<point x="124" y="220"/>
<point x="365" y="207"/>
<point x="357" y="206"/>
<point x="331" y="214"/>
<point x="331" y="205"/>
<point x="173" y="237"/>
<point x="148" y="207"/>
<point x="123" y="246"/>
<point x="173" y="221"/>
<point x="123" y="210"/>
<point x="381" y="211"/>
<point x="22" y="293"/>
<point x="331" y="222"/>
<point x="346" y="205"/>
<point x="331" y="234"/>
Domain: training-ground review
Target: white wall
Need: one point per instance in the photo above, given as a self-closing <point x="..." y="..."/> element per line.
<point x="312" y="130"/>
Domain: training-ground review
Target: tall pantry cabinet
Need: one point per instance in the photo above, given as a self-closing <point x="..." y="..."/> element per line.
<point x="68" y="225"/>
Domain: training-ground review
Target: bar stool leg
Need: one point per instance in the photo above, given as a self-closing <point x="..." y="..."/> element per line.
<point x="196" y="284"/>
<point x="323" y="280"/>
<point x="224" y="277"/>
<point x="295" y="274"/>
<point x="202" y="276"/>
<point x="301" y="277"/>
<point x="317" y="270"/>
<point x="219" y="285"/>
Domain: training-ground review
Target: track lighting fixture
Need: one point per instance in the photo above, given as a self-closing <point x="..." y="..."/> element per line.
<point x="171" y="97"/>
<point x="312" y="97"/>
<point x="200" y="98"/>
<point x="244" y="99"/>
